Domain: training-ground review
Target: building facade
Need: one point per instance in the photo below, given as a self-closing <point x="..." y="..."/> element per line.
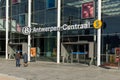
<point x="44" y="14"/>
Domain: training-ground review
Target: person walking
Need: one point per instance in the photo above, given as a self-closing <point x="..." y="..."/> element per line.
<point x="17" y="57"/>
<point x="25" y="59"/>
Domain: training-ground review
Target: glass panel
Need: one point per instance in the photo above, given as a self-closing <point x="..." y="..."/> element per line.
<point x="51" y="16"/>
<point x="22" y="20"/>
<point x="39" y="17"/>
<point x="38" y="4"/>
<point x="51" y="4"/>
<point x="110" y="31"/>
<point x="23" y="8"/>
<point x="15" y="10"/>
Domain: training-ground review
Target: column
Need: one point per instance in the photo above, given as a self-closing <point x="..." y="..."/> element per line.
<point x="7" y="28"/>
<point x="58" y="32"/>
<point x="29" y="25"/>
<point x="99" y="36"/>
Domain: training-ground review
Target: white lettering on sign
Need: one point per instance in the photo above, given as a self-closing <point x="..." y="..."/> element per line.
<point x="54" y="28"/>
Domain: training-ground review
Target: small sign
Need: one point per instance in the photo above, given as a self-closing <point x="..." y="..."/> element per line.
<point x="16" y="1"/>
<point x="97" y="24"/>
<point x="117" y="51"/>
<point x="117" y="54"/>
<point x="88" y="10"/>
<point x="33" y="51"/>
<point x="117" y="59"/>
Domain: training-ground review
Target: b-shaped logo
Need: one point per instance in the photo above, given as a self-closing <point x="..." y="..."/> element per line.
<point x="26" y="30"/>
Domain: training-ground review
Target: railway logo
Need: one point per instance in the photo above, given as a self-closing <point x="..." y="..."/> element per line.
<point x="26" y="30"/>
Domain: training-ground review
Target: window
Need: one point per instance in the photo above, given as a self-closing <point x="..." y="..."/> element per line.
<point x="51" y="4"/>
<point x="22" y="20"/>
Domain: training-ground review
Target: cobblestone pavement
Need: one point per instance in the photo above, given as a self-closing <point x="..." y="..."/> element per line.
<point x="41" y="70"/>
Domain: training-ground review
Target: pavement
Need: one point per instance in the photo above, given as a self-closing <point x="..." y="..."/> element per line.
<point x="44" y="70"/>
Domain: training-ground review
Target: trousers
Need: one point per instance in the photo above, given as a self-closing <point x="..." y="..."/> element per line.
<point x="17" y="62"/>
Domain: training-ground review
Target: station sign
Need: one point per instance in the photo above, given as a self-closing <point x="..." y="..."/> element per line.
<point x="27" y="30"/>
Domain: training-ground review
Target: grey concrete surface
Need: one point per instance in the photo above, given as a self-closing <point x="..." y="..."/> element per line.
<point x="8" y="77"/>
<point x="41" y="70"/>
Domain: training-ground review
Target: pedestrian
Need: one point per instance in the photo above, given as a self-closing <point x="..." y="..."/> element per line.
<point x="17" y="57"/>
<point x="25" y="59"/>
